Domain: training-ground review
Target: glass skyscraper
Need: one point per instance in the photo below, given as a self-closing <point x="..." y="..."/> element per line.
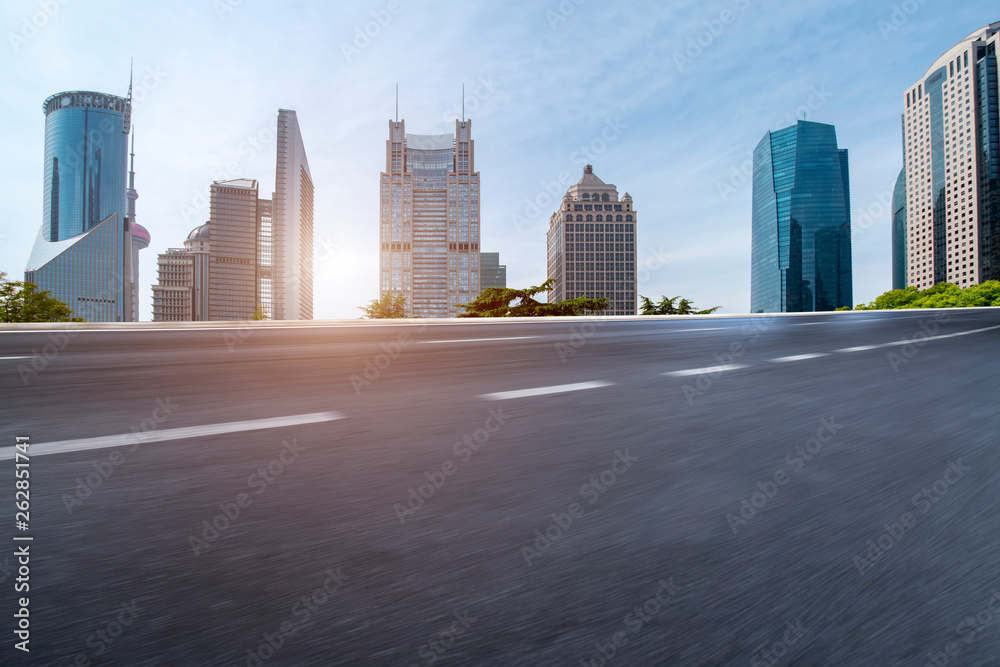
<point x="83" y="253"/>
<point x="951" y="148"/>
<point x="429" y="215"/>
<point x="899" y="232"/>
<point x="801" y="247"/>
<point x="286" y="283"/>
<point x="491" y="272"/>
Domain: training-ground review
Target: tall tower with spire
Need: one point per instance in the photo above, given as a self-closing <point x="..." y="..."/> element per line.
<point x="140" y="235"/>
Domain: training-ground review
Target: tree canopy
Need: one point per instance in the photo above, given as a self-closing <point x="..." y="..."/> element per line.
<point x="666" y="307"/>
<point x="941" y="295"/>
<point x="497" y="302"/>
<point x="22" y="302"/>
<point x="385" y="307"/>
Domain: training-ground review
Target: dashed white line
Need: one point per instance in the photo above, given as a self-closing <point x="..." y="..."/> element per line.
<point x="860" y="348"/>
<point x="542" y="391"/>
<point x="800" y="357"/>
<point x="6" y="358"/>
<point x="102" y="442"/>
<point x="475" y="340"/>
<point x="808" y="324"/>
<point x="918" y="341"/>
<point x="709" y="370"/>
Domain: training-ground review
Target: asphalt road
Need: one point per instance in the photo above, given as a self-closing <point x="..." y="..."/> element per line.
<point x="794" y="490"/>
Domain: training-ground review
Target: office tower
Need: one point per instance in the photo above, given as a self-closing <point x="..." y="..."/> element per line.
<point x="182" y="292"/>
<point x="83" y="253"/>
<point x="899" y="232"/>
<point x="951" y="146"/>
<point x="591" y="245"/>
<point x="801" y="247"/>
<point x="429" y="219"/>
<point x="291" y="276"/>
<point x="232" y="265"/>
<point x="491" y="272"/>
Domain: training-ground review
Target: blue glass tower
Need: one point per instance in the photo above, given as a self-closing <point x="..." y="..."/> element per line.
<point x="83" y="253"/>
<point x="801" y="248"/>
<point x="899" y="232"/>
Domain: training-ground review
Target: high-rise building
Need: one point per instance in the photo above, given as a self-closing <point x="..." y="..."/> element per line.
<point x="140" y="235"/>
<point x="83" y="254"/>
<point x="232" y="260"/>
<point x="182" y="291"/>
<point x="291" y="221"/>
<point x="429" y="219"/>
<point x="801" y="240"/>
<point x="591" y="245"/>
<point x="491" y="272"/>
<point x="951" y="147"/>
<point x="899" y="232"/>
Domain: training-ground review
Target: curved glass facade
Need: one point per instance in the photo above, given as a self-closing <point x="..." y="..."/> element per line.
<point x="83" y="253"/>
<point x="899" y="232"/>
<point x="801" y="248"/>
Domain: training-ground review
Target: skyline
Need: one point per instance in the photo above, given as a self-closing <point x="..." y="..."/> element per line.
<point x="540" y="83"/>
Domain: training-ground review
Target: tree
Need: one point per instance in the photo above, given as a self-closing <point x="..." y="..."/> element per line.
<point x="385" y="307"/>
<point x="496" y="302"/>
<point x="260" y="313"/>
<point x="666" y="307"/>
<point x="22" y="302"/>
<point x="941" y="295"/>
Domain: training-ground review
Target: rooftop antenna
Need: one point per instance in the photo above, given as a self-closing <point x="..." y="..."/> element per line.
<point x="463" y="102"/>
<point x="397" y="102"/>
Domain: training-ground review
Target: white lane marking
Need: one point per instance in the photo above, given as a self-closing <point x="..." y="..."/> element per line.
<point x="808" y="324"/>
<point x="474" y="340"/>
<point x="800" y="357"/>
<point x="4" y="358"/>
<point x="542" y="391"/>
<point x="102" y="442"/>
<point x="710" y="369"/>
<point x="920" y="341"/>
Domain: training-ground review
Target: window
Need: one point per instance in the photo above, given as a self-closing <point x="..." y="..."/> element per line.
<point x="618" y="218"/>
<point x="628" y="218"/>
<point x="605" y="197"/>
<point x="600" y="218"/>
<point x="590" y="218"/>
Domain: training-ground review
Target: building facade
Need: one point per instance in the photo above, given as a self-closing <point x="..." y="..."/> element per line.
<point x="288" y="284"/>
<point x="182" y="291"/>
<point x="899" y="231"/>
<point x="83" y="254"/>
<point x="801" y="239"/>
<point x="491" y="272"/>
<point x="951" y="148"/>
<point x="429" y="220"/>
<point x="591" y="245"/>
<point x="232" y="260"/>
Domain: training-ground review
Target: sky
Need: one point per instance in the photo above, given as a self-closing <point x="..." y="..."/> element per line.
<point x="665" y="99"/>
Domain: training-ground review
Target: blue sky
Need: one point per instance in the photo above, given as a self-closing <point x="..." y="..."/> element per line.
<point x="666" y="99"/>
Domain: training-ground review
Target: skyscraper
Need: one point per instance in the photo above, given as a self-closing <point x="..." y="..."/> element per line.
<point x="291" y="276"/>
<point x="140" y="235"/>
<point x="591" y="245"/>
<point x="491" y="272"/>
<point x="801" y="247"/>
<point x="83" y="253"/>
<point x="951" y="147"/>
<point x="899" y="231"/>
<point x="232" y="260"/>
<point x="429" y="220"/>
<point x="182" y="291"/>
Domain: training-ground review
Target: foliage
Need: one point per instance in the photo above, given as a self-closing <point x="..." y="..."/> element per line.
<point x="496" y="302"/>
<point x="942" y="295"/>
<point x="666" y="307"/>
<point x="385" y="307"/>
<point x="22" y="302"/>
<point x="260" y="313"/>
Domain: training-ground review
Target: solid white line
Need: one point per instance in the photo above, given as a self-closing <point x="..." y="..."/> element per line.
<point x="474" y="340"/>
<point x="709" y="370"/>
<point x="134" y="439"/>
<point x="800" y="357"/>
<point x="542" y="391"/>
<point x="919" y="341"/>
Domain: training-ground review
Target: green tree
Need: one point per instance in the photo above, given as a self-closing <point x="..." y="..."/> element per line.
<point x="260" y="313"/>
<point x="497" y="302"/>
<point x="385" y="307"/>
<point x="22" y="302"/>
<point x="666" y="307"/>
<point x="941" y="295"/>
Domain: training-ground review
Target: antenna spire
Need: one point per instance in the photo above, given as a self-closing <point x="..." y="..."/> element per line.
<point x="397" y="102"/>
<point x="463" y="102"/>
